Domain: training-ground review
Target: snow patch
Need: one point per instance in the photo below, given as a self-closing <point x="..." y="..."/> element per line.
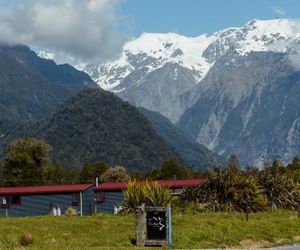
<point x="46" y="55"/>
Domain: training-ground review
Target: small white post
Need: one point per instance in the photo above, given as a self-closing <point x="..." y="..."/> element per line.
<point x="80" y="203"/>
<point x="95" y="206"/>
<point x="97" y="182"/>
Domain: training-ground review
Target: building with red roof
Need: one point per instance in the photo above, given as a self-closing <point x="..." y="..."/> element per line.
<point x="44" y="200"/>
<point x="86" y="199"/>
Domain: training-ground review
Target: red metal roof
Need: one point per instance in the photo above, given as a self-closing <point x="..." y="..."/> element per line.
<point x="117" y="186"/>
<point x="53" y="189"/>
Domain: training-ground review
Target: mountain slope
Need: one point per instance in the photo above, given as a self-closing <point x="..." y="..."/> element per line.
<point x="48" y="69"/>
<point x="160" y="88"/>
<point x="249" y="106"/>
<point x="96" y="125"/>
<point x="25" y="95"/>
<point x="193" y="153"/>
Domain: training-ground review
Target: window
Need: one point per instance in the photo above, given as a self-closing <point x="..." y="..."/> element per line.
<point x="16" y="200"/>
<point x="176" y="191"/>
<point x="100" y="197"/>
<point x="75" y="199"/>
<point x="10" y="200"/>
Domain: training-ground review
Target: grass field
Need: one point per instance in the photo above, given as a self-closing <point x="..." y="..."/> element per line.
<point x="105" y="231"/>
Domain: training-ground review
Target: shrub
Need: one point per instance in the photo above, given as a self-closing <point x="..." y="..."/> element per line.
<point x="151" y="193"/>
<point x="117" y="173"/>
<point x="71" y="211"/>
<point x="26" y="239"/>
<point x="228" y="190"/>
<point x="190" y="194"/>
<point x="156" y="195"/>
<point x="280" y="189"/>
<point x="133" y="196"/>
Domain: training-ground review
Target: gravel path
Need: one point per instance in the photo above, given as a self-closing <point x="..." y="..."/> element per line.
<point x="291" y="247"/>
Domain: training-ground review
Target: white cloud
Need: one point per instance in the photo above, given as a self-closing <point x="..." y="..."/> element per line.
<point x="78" y="29"/>
<point x="279" y="11"/>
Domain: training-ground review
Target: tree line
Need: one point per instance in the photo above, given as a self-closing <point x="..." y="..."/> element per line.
<point x="27" y="162"/>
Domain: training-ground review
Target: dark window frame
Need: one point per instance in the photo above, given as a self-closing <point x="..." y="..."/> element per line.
<point x="15" y="200"/>
<point x="100" y="197"/>
<point x="75" y="199"/>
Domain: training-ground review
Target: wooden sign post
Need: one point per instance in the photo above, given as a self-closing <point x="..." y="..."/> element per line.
<point x="153" y="226"/>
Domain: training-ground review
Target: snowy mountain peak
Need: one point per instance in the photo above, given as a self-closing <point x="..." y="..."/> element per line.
<point x="290" y="27"/>
<point x="164" y="45"/>
<point x="152" y="51"/>
<point x="276" y="35"/>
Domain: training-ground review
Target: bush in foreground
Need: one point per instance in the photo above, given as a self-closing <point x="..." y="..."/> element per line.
<point x="150" y="193"/>
<point x="26" y="239"/>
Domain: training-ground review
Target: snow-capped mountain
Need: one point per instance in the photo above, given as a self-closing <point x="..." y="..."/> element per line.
<point x="198" y="54"/>
<point x="153" y="51"/>
<point x="220" y="88"/>
<point x="154" y="70"/>
<point x="149" y="58"/>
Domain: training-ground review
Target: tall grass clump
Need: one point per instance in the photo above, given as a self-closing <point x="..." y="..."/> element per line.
<point x="150" y="193"/>
<point x="133" y="196"/>
<point x="156" y="195"/>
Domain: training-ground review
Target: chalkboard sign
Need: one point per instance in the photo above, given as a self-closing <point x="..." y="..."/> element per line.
<point x="153" y="227"/>
<point x="156" y="225"/>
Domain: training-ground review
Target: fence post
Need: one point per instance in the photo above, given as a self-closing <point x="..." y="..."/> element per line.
<point x="80" y="195"/>
<point x="140" y="226"/>
<point x="169" y="226"/>
<point x="6" y="211"/>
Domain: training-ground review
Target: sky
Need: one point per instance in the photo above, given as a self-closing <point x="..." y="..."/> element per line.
<point x="195" y="17"/>
<point x="95" y="30"/>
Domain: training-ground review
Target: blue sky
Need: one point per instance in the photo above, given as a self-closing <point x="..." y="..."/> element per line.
<point x="194" y="17"/>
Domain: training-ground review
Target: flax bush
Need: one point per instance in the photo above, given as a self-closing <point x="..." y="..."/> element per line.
<point x="150" y="193"/>
<point x="156" y="195"/>
<point x="133" y="196"/>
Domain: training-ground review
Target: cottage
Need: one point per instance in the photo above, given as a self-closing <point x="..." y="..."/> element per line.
<point x="87" y="199"/>
<point x="109" y="195"/>
<point x="44" y="200"/>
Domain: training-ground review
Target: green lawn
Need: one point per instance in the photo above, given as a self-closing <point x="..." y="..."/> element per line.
<point x="201" y="230"/>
